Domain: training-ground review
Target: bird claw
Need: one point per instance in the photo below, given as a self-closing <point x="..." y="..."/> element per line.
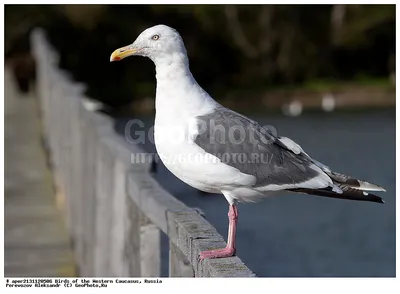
<point x="217" y="253"/>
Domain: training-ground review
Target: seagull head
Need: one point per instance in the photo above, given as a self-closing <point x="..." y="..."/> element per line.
<point x="158" y="43"/>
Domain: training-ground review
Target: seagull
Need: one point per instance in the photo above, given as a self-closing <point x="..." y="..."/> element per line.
<point x="217" y="150"/>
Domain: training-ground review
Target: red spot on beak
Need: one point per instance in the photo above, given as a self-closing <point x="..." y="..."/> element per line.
<point x="117" y="58"/>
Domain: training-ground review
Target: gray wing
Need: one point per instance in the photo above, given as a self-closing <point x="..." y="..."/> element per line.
<point x="242" y="143"/>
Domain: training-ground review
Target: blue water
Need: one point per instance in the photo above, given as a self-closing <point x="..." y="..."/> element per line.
<point x="296" y="235"/>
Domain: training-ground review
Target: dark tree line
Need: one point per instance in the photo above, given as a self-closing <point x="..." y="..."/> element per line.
<point x="241" y="47"/>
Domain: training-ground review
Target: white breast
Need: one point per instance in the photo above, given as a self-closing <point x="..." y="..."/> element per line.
<point x="178" y="102"/>
<point x="175" y="145"/>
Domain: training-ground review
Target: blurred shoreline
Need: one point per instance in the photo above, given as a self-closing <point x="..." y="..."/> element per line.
<point x="291" y="101"/>
<point x="351" y="98"/>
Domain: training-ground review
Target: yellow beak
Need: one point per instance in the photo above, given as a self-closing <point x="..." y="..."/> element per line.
<point x="122" y="52"/>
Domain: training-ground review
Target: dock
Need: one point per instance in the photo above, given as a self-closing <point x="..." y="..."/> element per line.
<point x="36" y="240"/>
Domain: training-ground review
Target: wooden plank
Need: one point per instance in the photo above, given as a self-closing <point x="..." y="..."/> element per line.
<point x="76" y="196"/>
<point x="150" y="248"/>
<point x="64" y="198"/>
<point x="118" y="260"/>
<point x="150" y="259"/>
<point x="179" y="265"/>
<point x="152" y="199"/>
<point x="89" y="183"/>
<point x="118" y="145"/>
<point x="104" y="195"/>
<point x="132" y="246"/>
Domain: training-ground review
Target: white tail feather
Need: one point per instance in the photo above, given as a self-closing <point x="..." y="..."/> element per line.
<point x="365" y="186"/>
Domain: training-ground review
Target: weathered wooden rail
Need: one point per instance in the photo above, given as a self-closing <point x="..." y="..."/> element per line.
<point x="114" y="208"/>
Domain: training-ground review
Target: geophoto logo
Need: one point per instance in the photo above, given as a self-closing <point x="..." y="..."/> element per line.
<point x="210" y="131"/>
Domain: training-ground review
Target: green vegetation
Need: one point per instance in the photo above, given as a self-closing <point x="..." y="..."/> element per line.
<point x="329" y="85"/>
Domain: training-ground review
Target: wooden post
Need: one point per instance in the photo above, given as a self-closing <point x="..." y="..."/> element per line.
<point x="89" y="183"/>
<point x="179" y="265"/>
<point x="118" y="260"/>
<point x="132" y="246"/>
<point x="104" y="210"/>
<point x="150" y="251"/>
<point x="77" y="183"/>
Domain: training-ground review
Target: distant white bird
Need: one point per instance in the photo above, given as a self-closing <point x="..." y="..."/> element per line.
<point x="92" y="105"/>
<point x="215" y="149"/>
<point x="328" y="102"/>
<point x="294" y="108"/>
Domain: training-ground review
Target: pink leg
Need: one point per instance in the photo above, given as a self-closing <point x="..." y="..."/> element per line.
<point x="230" y="248"/>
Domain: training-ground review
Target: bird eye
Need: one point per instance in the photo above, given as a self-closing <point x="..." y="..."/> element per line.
<point x="155" y="37"/>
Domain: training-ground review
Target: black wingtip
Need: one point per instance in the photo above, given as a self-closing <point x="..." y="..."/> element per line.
<point x="349" y="194"/>
<point x="380" y="200"/>
<point x="372" y="198"/>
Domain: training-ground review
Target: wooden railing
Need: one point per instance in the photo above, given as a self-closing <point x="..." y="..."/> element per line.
<point x="115" y="209"/>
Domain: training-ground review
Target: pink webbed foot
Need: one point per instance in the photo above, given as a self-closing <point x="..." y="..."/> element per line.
<point x="230" y="248"/>
<point x="217" y="253"/>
